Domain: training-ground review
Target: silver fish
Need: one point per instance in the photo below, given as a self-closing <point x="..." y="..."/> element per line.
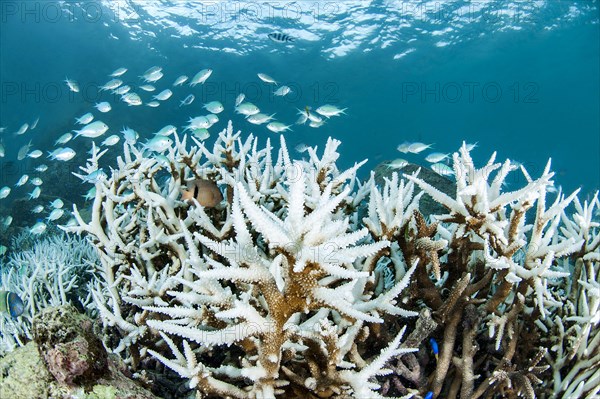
<point x="62" y="154"/>
<point x="214" y="107"/>
<point x="4" y="191"/>
<point x="36" y="181"/>
<point x="23" y="151"/>
<point x="111" y="140"/>
<point x="130" y="135"/>
<point x="132" y="99"/>
<point x="35" y="154"/>
<point x="122" y="90"/>
<point x="118" y="72"/>
<point x="111" y="85"/>
<point x="180" y="80"/>
<point x="147" y="87"/>
<point x="103" y="106"/>
<point x="239" y="99"/>
<point x="435" y="157"/>
<point x="166" y="131"/>
<point x="247" y="109"/>
<point x="94" y="129"/>
<point x="153" y="77"/>
<point x="201" y="77"/>
<point x="85" y="119"/>
<point x="259" y="119"/>
<point x="188" y="100"/>
<point x="158" y="143"/>
<point x="330" y="110"/>
<point x="418" y="147"/>
<point x="163" y="95"/>
<point x="278" y="127"/>
<point x="64" y="139"/>
<point x="57" y="203"/>
<point x="22" y="129"/>
<point x="22" y="180"/>
<point x="35" y="193"/>
<point x="282" y="91"/>
<point x="73" y="86"/>
<point x="266" y="78"/>
<point x="55" y="214"/>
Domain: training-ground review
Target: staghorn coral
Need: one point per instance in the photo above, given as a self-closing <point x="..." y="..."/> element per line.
<point x="279" y="271"/>
<point x="572" y="334"/>
<point x="302" y="281"/>
<point x="53" y="272"/>
<point x="67" y="361"/>
<point x="508" y="275"/>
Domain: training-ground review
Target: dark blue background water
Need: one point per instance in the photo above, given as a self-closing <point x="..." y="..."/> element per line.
<point x="529" y="94"/>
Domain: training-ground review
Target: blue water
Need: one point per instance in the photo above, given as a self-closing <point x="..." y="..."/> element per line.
<point x="519" y="78"/>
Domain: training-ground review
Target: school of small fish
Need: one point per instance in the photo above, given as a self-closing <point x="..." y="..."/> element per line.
<point x="134" y="92"/>
<point x="439" y="162"/>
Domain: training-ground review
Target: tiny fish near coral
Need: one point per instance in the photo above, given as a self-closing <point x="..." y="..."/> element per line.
<point x="11" y="303"/>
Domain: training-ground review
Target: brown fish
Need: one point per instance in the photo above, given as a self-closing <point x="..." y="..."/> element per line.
<point x="206" y="192"/>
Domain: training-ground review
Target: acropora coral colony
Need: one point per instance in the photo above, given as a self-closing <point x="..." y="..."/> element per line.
<point x="306" y="282"/>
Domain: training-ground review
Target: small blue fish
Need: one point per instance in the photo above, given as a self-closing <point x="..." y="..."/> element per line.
<point x="434" y="347"/>
<point x="429" y="394"/>
<point x="11" y="303"/>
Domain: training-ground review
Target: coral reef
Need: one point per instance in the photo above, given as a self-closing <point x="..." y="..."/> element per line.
<point x="53" y="271"/>
<point x="280" y="270"/>
<point x="508" y="275"/>
<point x="60" y="332"/>
<point x="303" y="281"/>
<point x="427" y="205"/>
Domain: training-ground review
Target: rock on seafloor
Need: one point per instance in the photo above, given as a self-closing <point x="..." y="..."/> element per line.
<point x="65" y="360"/>
<point x="427" y="205"/>
<point x="73" y="354"/>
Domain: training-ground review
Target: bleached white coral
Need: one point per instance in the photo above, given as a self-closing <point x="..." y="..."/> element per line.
<point x="392" y="208"/>
<point x="574" y="333"/>
<point x="294" y="273"/>
<point x="279" y="269"/>
<point x="481" y="210"/>
<point x="548" y="266"/>
<point x="53" y="272"/>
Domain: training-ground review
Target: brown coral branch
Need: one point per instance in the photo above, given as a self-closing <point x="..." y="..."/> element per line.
<point x="430" y="247"/>
<point x="505" y="362"/>
<point x="445" y="354"/>
<point x="469" y="348"/>
<point x="500" y="295"/>
<point x="407" y="367"/>
<point x="455" y="295"/>
<point x="425" y="325"/>
<point x="479" y="285"/>
<point x="427" y="291"/>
